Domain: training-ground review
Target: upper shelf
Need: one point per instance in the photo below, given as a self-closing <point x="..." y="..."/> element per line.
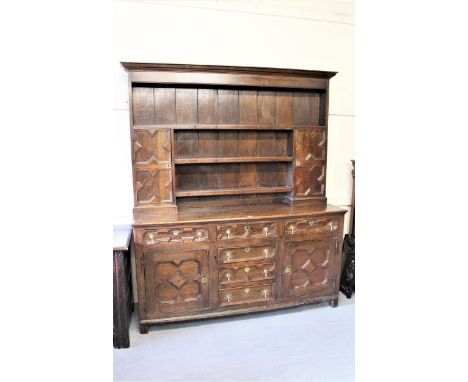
<point x="233" y="160"/>
<point x="225" y="127"/>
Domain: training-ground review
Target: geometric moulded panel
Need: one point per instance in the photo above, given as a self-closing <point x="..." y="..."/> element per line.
<point x="176" y="281"/>
<point x="309" y="265"/>
<point x="309" y="177"/>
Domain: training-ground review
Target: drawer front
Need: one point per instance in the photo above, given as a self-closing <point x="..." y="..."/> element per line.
<point x="241" y="273"/>
<point x="259" y="293"/>
<point x="312" y="225"/>
<point x="247" y="231"/>
<point x="238" y="254"/>
<point x="172" y="235"/>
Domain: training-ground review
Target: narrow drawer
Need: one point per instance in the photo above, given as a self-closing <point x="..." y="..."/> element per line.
<point x="247" y="231"/>
<point x="168" y="235"/>
<point x="312" y="225"/>
<point x="240" y="273"/>
<point x="259" y="293"/>
<point x="238" y="254"/>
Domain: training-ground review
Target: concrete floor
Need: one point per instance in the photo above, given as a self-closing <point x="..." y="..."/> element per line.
<point x="310" y="343"/>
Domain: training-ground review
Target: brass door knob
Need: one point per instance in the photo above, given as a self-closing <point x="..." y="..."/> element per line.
<point x="298" y="163"/>
<point x="247" y="290"/>
<point x="247" y="250"/>
<point x="204" y="279"/>
<point x="287" y="270"/>
<point x="246" y="269"/>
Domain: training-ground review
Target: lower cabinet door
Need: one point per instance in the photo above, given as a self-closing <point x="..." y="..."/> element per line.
<point x="308" y="267"/>
<point x="177" y="281"/>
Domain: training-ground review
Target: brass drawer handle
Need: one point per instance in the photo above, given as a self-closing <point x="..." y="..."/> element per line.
<point x="265" y="252"/>
<point x="246" y="269"/>
<point x="199" y="235"/>
<point x="228" y="233"/>
<point x="247" y="228"/>
<point x="228" y="256"/>
<point x="176" y="232"/>
<point x="333" y="226"/>
<point x="247" y="250"/>
<point x="292" y="229"/>
<point x="247" y="290"/>
<point x="228" y="297"/>
<point x="265" y="231"/>
<point x="287" y="270"/>
<point x="298" y="163"/>
<point x="265" y="293"/>
<point x="151" y="239"/>
<point x="204" y="279"/>
<point x="265" y="272"/>
<point x="228" y="276"/>
<point x="168" y="166"/>
<point x="312" y="223"/>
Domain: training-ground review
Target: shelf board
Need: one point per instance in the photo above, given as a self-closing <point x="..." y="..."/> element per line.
<point x="232" y="160"/>
<point x="213" y="126"/>
<point x="234" y="191"/>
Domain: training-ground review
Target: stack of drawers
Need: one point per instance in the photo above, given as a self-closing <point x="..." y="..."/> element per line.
<point x="247" y="271"/>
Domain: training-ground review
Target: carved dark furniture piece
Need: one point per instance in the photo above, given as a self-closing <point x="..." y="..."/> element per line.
<point x="348" y="272"/>
<point x="123" y="299"/>
<point x="230" y="208"/>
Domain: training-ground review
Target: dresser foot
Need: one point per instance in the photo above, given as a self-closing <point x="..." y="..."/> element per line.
<point x="334" y="302"/>
<point x="143" y="329"/>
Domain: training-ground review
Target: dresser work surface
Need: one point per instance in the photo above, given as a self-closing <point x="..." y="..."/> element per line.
<point x="229" y="183"/>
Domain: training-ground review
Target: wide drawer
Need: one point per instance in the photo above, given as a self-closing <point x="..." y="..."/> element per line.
<point x="240" y="254"/>
<point x="312" y="225"/>
<point x="259" y="293"/>
<point x="246" y="231"/>
<point x="168" y="235"/>
<point x="241" y="272"/>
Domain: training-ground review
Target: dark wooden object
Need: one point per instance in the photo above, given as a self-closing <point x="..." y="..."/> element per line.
<point x="230" y="210"/>
<point x="348" y="275"/>
<point x="123" y="299"/>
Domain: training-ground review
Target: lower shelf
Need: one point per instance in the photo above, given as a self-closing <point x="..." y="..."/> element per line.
<point x="234" y="191"/>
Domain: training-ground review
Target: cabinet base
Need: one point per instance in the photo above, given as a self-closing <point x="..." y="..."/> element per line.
<point x="235" y="312"/>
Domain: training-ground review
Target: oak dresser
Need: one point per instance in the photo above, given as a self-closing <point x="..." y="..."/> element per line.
<point x="229" y="174"/>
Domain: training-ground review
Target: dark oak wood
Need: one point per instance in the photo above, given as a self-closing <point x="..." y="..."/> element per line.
<point x="123" y="299"/>
<point x="230" y="209"/>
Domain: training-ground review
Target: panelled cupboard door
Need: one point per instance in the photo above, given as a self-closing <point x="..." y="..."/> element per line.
<point x="309" y="177"/>
<point x="176" y="281"/>
<point x="308" y="267"/>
